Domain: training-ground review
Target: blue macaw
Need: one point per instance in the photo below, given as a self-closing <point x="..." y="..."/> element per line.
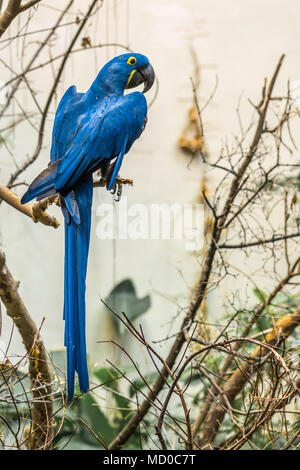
<point x="90" y="130"/>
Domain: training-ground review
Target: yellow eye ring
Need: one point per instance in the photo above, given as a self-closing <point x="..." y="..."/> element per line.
<point x="131" y="61"/>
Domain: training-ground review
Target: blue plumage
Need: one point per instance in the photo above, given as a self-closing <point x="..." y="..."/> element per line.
<point x="90" y="130"/>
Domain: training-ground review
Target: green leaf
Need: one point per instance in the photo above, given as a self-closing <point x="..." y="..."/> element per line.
<point x="140" y="384"/>
<point x="76" y="443"/>
<point x="109" y="376"/>
<point x="123" y="298"/>
<point x="89" y="411"/>
<point x="59" y="362"/>
<point x="261" y="295"/>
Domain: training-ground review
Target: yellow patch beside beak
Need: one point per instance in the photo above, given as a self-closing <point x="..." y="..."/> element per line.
<point x="130" y="77"/>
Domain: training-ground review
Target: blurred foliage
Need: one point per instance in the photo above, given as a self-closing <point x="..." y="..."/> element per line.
<point x="123" y="298"/>
<point x="89" y="421"/>
<point x="93" y="420"/>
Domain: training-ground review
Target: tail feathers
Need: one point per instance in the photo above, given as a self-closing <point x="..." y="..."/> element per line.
<point x="72" y="206"/>
<point x="74" y="311"/>
<point x="43" y="185"/>
<point x="76" y="254"/>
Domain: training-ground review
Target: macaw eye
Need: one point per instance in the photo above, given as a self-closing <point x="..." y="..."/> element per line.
<point x="131" y="61"/>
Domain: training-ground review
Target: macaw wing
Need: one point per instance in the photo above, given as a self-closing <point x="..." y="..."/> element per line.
<point x="65" y="123"/>
<point x="99" y="136"/>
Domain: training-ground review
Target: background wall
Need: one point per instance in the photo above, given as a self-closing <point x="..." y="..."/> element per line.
<point x="238" y="42"/>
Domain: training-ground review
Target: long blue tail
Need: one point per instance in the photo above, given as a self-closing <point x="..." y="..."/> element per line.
<point x="76" y="208"/>
<point x="77" y="237"/>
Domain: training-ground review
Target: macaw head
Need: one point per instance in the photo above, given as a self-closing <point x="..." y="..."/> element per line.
<point x="125" y="71"/>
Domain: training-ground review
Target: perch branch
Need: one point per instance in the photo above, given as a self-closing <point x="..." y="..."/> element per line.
<point x="120" y="181"/>
<point x="37" y="212"/>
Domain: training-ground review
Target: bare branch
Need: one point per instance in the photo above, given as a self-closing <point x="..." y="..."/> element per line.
<point x="41" y="430"/>
<point x="28" y="4"/>
<point x="37" y="212"/>
<point x="202" y="285"/>
<point x="13" y="9"/>
<point x="282" y="329"/>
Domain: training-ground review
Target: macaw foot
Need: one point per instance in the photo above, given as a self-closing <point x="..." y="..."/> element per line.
<point x="106" y="174"/>
<point x="117" y="188"/>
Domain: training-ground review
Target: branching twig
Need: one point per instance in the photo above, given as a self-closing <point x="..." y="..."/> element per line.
<point x="201" y="288"/>
<point x="13" y="9"/>
<point x="282" y="329"/>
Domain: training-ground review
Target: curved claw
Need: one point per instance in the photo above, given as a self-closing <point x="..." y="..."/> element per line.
<point x="118" y="186"/>
<point x="119" y="193"/>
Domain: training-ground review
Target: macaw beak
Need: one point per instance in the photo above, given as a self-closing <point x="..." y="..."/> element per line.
<point x="141" y="75"/>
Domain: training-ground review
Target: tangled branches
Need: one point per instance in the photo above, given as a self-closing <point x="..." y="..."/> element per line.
<point x="237" y="388"/>
<point x="255" y="180"/>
